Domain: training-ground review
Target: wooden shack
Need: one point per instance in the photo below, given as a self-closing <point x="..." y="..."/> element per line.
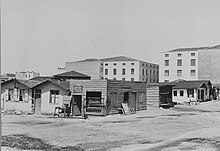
<point x="153" y="96"/>
<point x="104" y="97"/>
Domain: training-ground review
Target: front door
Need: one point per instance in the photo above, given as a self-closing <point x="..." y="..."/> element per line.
<point x="77" y="104"/>
<point x="133" y="101"/>
<point x="37" y="104"/>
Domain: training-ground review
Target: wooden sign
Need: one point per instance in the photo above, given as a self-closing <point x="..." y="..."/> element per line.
<point x="126" y="108"/>
<point x="77" y="89"/>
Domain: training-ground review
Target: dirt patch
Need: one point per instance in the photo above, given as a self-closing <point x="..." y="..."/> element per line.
<point x="122" y="121"/>
<point x="30" y="123"/>
<point x="29" y="143"/>
<point x="146" y="117"/>
<point x="181" y="109"/>
<point x="193" y="143"/>
<point x="180" y="114"/>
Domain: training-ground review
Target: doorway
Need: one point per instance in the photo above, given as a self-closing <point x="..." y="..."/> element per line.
<point x="37" y="103"/>
<point x="133" y="101"/>
<point x="76" y="104"/>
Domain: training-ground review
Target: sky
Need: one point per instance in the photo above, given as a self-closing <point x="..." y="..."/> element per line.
<point x="41" y="35"/>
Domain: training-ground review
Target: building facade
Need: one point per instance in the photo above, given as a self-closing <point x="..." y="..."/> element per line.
<point x="117" y="68"/>
<point x="26" y="75"/>
<point x="191" y="64"/>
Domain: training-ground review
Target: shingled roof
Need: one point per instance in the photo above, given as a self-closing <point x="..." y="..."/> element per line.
<point x="72" y="74"/>
<point x="190" y="84"/>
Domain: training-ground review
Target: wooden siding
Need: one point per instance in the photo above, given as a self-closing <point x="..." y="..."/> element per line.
<point x="152" y="96"/>
<point x="116" y="90"/>
<point x="94" y="86"/>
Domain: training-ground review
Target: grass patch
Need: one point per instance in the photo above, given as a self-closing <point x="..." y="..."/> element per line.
<point x="30" y="143"/>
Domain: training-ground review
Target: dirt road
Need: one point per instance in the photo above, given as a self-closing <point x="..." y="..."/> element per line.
<point x="180" y="128"/>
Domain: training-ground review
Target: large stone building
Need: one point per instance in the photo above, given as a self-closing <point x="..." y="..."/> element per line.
<point x="191" y="64"/>
<point x="117" y="68"/>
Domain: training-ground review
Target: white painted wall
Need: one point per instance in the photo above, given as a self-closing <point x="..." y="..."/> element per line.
<point x="119" y="68"/>
<point x="186" y="67"/>
<point x="25" y="106"/>
<point x="47" y="107"/>
<point x="184" y="98"/>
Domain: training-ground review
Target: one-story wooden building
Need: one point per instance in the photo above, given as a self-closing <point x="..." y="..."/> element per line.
<point x="104" y="97"/>
<point x="33" y="96"/>
<point x="191" y="91"/>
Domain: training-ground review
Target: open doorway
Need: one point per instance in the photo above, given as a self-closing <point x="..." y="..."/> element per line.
<point x="76" y="104"/>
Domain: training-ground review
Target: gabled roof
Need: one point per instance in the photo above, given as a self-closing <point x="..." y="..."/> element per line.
<point x="63" y="84"/>
<point x="41" y="78"/>
<point x="119" y="58"/>
<point x="72" y="74"/>
<point x="29" y="83"/>
<point x="191" y="84"/>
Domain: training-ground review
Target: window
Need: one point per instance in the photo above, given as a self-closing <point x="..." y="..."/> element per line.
<point x="123" y="79"/>
<point x="114" y="78"/>
<point x="179" y="62"/>
<point x="101" y="64"/>
<point x="21" y="95"/>
<point x="154" y="73"/>
<point x="166" y="73"/>
<point x="10" y="94"/>
<point x="146" y="72"/>
<point x="143" y="64"/>
<point x="114" y="71"/>
<point x="174" y="93"/>
<point x="192" y="72"/>
<point x="179" y="54"/>
<point x="132" y="63"/>
<point x="54" y="96"/>
<point x="166" y="63"/>
<point x="181" y="93"/>
<point x="193" y="54"/>
<point x="179" y="72"/>
<point x="132" y="70"/>
<point x="150" y="80"/>
<point x="157" y="73"/>
<point x="142" y="71"/>
<point x="106" y="64"/>
<point x="123" y="64"/>
<point x="123" y="71"/>
<point x="190" y="93"/>
<point x="193" y="62"/>
<point x="166" y="55"/>
<point x="150" y="72"/>
<point x="106" y="71"/>
<point x="114" y="64"/>
<point x="132" y="79"/>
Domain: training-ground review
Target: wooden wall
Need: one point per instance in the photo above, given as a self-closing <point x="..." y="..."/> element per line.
<point x="116" y="90"/>
<point x="153" y="96"/>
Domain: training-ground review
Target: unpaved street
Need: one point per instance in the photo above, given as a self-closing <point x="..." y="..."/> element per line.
<point x="180" y="128"/>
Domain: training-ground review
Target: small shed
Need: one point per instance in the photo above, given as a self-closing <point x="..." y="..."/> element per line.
<point x="197" y="90"/>
<point x="102" y="97"/>
<point x="153" y="96"/>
